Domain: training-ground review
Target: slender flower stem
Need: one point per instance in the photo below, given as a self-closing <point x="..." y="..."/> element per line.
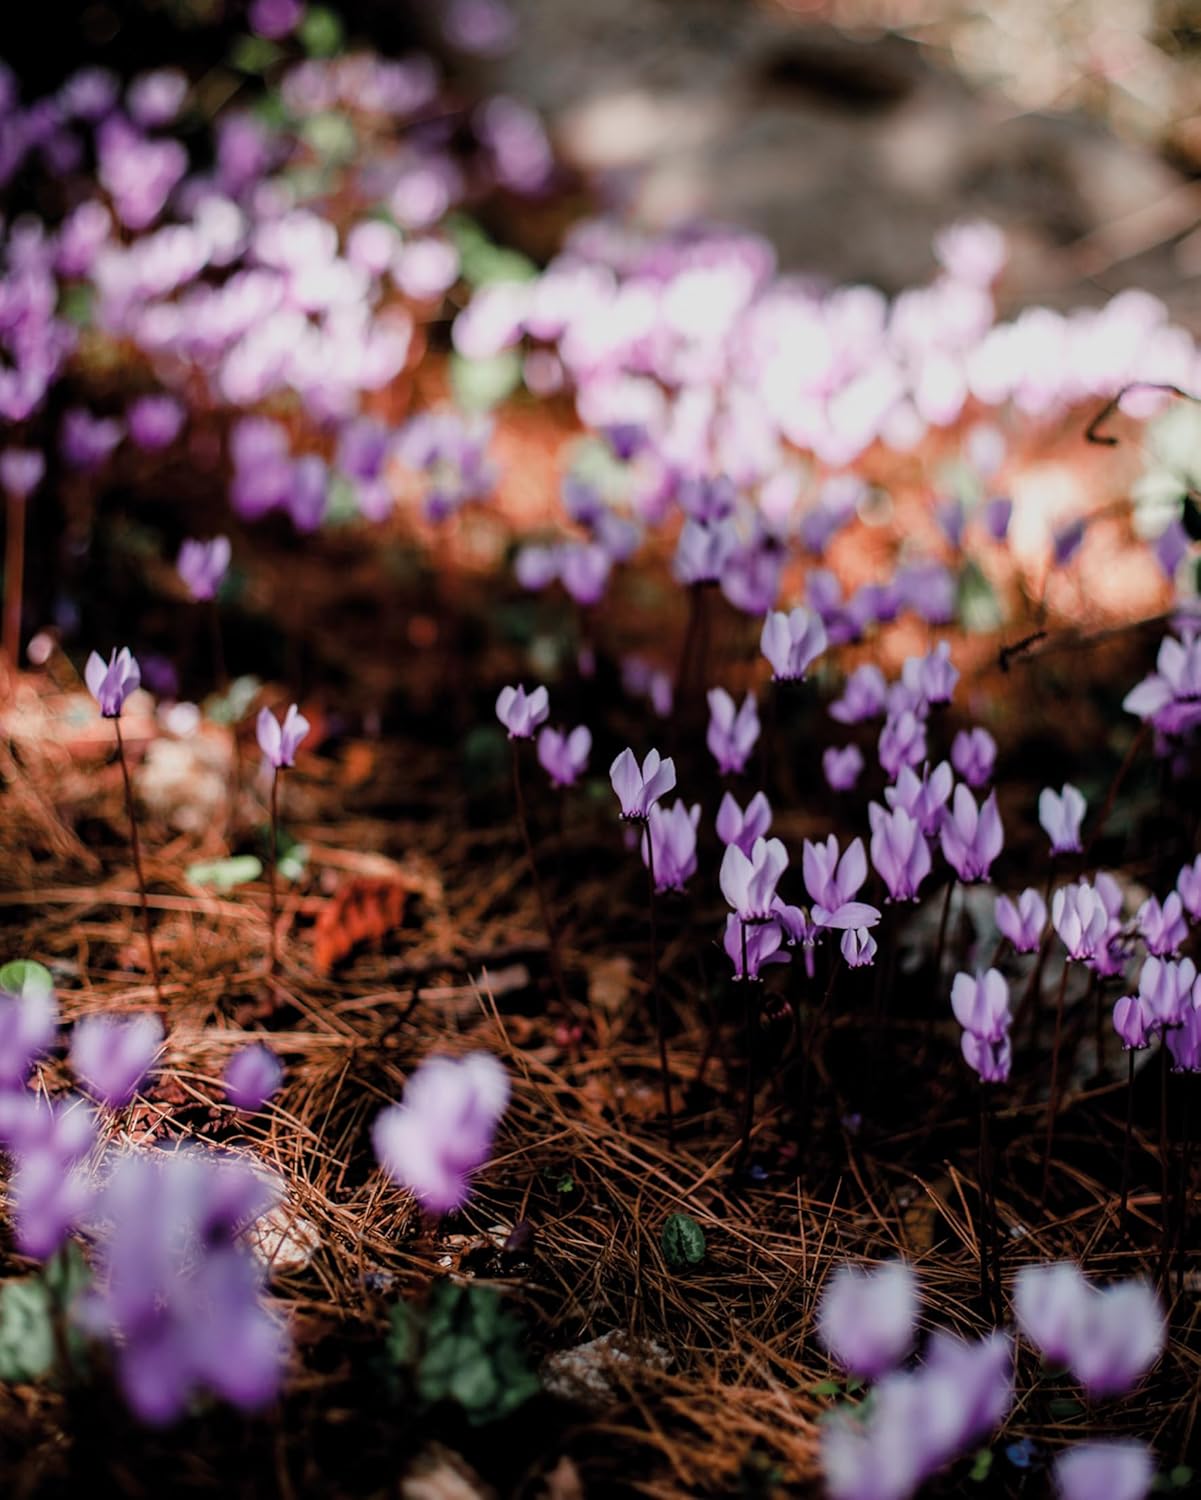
<point x="136" y="848"/>
<point x="1165" y="1187"/>
<point x="748" y="1104"/>
<point x="942" y="936"/>
<point x="1053" y="1095"/>
<point x="552" y="934"/>
<point x="220" y="675"/>
<point x="14" y="578"/>
<point x="272" y="874"/>
<point x="1126" y="1142"/>
<point x="984" y="1227"/>
<point x="1186" y="1183"/>
<point x="656" y="1000"/>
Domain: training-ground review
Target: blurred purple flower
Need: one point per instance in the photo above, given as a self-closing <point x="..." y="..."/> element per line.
<point x="1171" y="696"/>
<point x="203" y="565"/>
<point x="521" y="712"/>
<point x="997" y="514"/>
<point x="1022" y="923"/>
<point x="1060" y="814"/>
<point x="902" y="742"/>
<point x="863" y="696"/>
<point x="1188" y="883"/>
<point x="732" y="732"/>
<point x="111" y="1055"/>
<point x="86" y="441"/>
<point x="50" y="1188"/>
<point x="154" y="421"/>
<point x="931" y="678"/>
<point x="252" y="1076"/>
<point x="972" y="836"/>
<point x="842" y="766"/>
<point x="792" y="643"/>
<point x="21" y="471"/>
<point x="28" y="1025"/>
<point x="1104" y="1471"/>
<point x="736" y="826"/>
<point x="672" y="833"/>
<point x="900" y="854"/>
<point x="974" y="755"/>
<point x="111" y="685"/>
<point x="564" y="757"/>
<point x="867" y="1317"/>
<point x="1163" y="928"/>
<point x="275" y="19"/>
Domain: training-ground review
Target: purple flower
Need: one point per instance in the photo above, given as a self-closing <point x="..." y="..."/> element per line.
<point x="49" y="1187"/>
<point x="736" y="826"/>
<point x="21" y="471"/>
<point x="111" y="1055"/>
<point x="902" y="742"/>
<point x="932" y="677"/>
<point x="1107" y="1339"/>
<point x="1163" y="927"/>
<point x="86" y="441"/>
<point x="991" y="1060"/>
<point x="833" y="882"/>
<point x="748" y="882"/>
<point x="792" y="643"/>
<point x="564" y="757"/>
<point x="1066" y="541"/>
<point x="1171" y="696"/>
<point x="1080" y="917"/>
<point x="252" y="1076"/>
<point x="1188" y="883"/>
<point x="762" y="945"/>
<point x="1165" y="987"/>
<point x="111" y="685"/>
<point x="973" y="1384"/>
<point x="732" y="732"/>
<point x="842" y="766"/>
<point x="584" y="571"/>
<point x="867" y="1318"/>
<point x="1022" y="923"/>
<point x="981" y="1005"/>
<point x="1060" y="815"/>
<point x="997" y="514"/>
<point x="275" y="19"/>
<point x="900" y="854"/>
<point x="203" y="565"/>
<point x="972" y="836"/>
<point x="156" y="98"/>
<point x="280" y="742"/>
<point x="28" y="1023"/>
<point x="858" y="947"/>
<point x="923" y="798"/>
<point x="639" y="790"/>
<point x="1049" y="1303"/>
<point x="1104" y="1471"/>
<point x="703" y="551"/>
<point x="441" y="1133"/>
<point x="672" y="834"/>
<point x="521" y="713"/>
<point x="1134" y="1021"/>
<point x="974" y="754"/>
<point x="1172" y="546"/>
<point x="863" y="697"/>
<point x="177" y="1294"/>
<point x="154" y="421"/>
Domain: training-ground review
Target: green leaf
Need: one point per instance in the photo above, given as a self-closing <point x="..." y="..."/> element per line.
<point x="1180" y="1477"/>
<point x="293" y="861"/>
<point x="402" y="1341"/>
<point x="330" y="136"/>
<point x="978" y="606"/>
<point x="981" y="1465"/>
<point x="321" y="32"/>
<point x="826" y="1388"/>
<point x="28" y="1307"/>
<point x="480" y="384"/>
<point x="683" y="1241"/>
<point x="474" y="1353"/>
<point x="254" y="54"/>
<point x="26" y="979"/>
<point x="565" y="1184"/>
<point x="230" y="707"/>
<point x="1065" y="1406"/>
<point x="225" y="874"/>
<point x="75" y="305"/>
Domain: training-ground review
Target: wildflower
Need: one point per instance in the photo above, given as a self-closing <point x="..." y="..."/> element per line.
<point x="762" y="945"/>
<point x="981" y="1005"/>
<point x="863" y="696"/>
<point x="202" y="566"/>
<point x="703" y="551"/>
<point x="1104" y="1471"/>
<point x="732" y="732"/>
<point x="639" y="790"/>
<point x="1171" y="696"/>
<point x="1184" y="1040"/>
<point x="842" y="767"/>
<point x="1134" y="1022"/>
<point x="1048" y="1303"/>
<point x="564" y="757"/>
<point x="974" y="755"/>
<point x="792" y="642"/>
<point x="1163" y="927"/>
<point x="86" y="441"/>
<point x="154" y="421"/>
<point x="902" y="742"/>
<point x="1165" y="988"/>
<point x="1188" y="884"/>
<point x="584" y="569"/>
<point x="797" y="925"/>
<point x="1066" y="541"/>
<point x="21" y="471"/>
<point x="28" y="1025"/>
<point x="112" y="1054"/>
<point x="996" y="515"/>
<point x="900" y="855"/>
<point x="867" y="1318"/>
<point x="972" y="836"/>
<point x="278" y="741"/>
<point x="111" y="685"/>
<point x="991" y="1060"/>
<point x="1022" y="923"/>
<point x="742" y="827"/>
<point x="251" y="1077"/>
<point x="1079" y="916"/>
<point x="441" y="1133"/>
<point x="748" y="882"/>
<point x="521" y="712"/>
<point x="50" y="1187"/>
<point x="673" y="841"/>
<point x="1060" y="815"/>
<point x="176" y="1292"/>
<point x="832" y="882"/>
<point x="932" y="677"/>
<point x="1107" y="1339"/>
<point x="858" y="947"/>
<point x="924" y="799"/>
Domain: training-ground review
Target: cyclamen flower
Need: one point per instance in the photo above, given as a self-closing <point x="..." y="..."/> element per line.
<point x="736" y="826"/>
<point x="1060" y="815"/>
<point x="981" y="1004"/>
<point x="111" y="685"/>
<point x="932" y="677"/>
<point x="991" y="1060"/>
<point x="672" y="834"/>
<point x="1188" y="883"/>
<point x="858" y="947"/>
<point x="1104" y="1471"/>
<point x="1081" y="919"/>
<point x="974" y="755"/>
<point x="280" y="742"/>
<point x="832" y="882"/>
<point x="749" y="882"/>
<point x="863" y="697"/>
<point x="900" y="855"/>
<point x="21" y="471"/>
<point x="923" y="798"/>
<point x="972" y="836"/>
<point x="564" y="757"/>
<point x="1171" y="696"/>
<point x="996" y="515"/>
<point x="203" y="565"/>
<point x="521" y="712"/>
<point x="111" y="1055"/>
<point x="251" y="1077"/>
<point x="867" y="1318"/>
<point x="639" y="790"/>
<point x="1022" y="923"/>
<point x="28" y="1025"/>
<point x="703" y="551"/>
<point x="86" y="441"/>
<point x="181" y="1299"/>
<point x="1134" y="1021"/>
<point x="50" y="1187"/>
<point x="441" y="1133"/>
<point x="1107" y="1339"/>
<point x="842" y="767"/>
<point x="1163" y="927"/>
<point x="154" y="421"/>
<point x="902" y="742"/>
<point x="1184" y="1040"/>
<point x="792" y="642"/>
<point x="732" y="732"/>
<point x="1166" y="987"/>
<point x="762" y="945"/>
